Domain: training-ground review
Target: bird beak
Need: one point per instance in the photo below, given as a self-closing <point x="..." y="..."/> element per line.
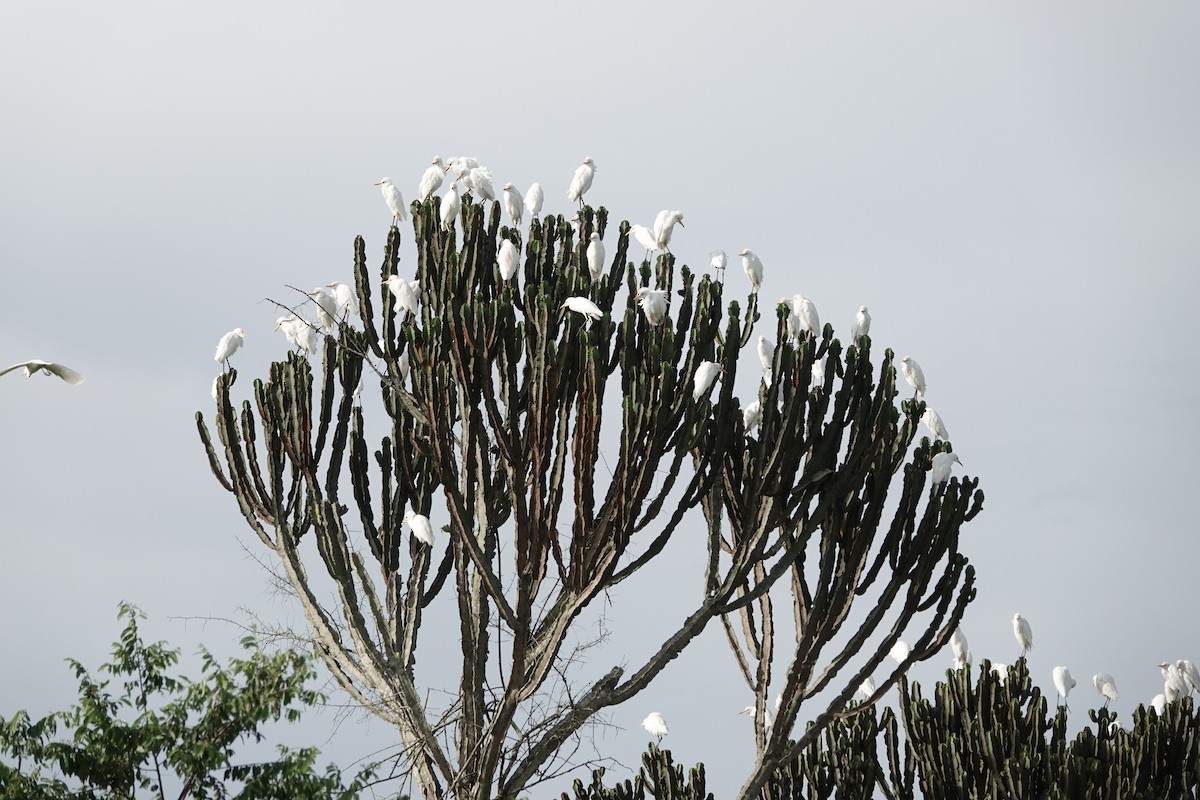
<point x="681" y="224"/>
<point x="377" y="183"/>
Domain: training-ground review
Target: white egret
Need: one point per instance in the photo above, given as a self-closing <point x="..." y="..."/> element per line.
<point x="300" y="335"/>
<point x="581" y="305"/>
<point x="1106" y="686"/>
<point x="900" y="651"/>
<point x="861" y="326"/>
<point x="507" y="259"/>
<point x="1159" y="704"/>
<point x="914" y="375"/>
<point x="582" y="181"/>
<point x="1190" y="674"/>
<point x="513" y="204"/>
<point x="752" y="264"/>
<point x="228" y="345"/>
<point x="346" y="299"/>
<point x="653" y="303"/>
<point x="595" y="257"/>
<point x="327" y="308"/>
<point x="462" y="164"/>
<point x="422" y="531"/>
<point x="1023" y="632"/>
<point x="216" y="385"/>
<point x="818" y="373"/>
<point x="751" y="416"/>
<point x="289" y="327"/>
<point x="934" y="422"/>
<point x="718" y="261"/>
<point x="664" y="225"/>
<point x="403" y="366"/>
<point x="768" y="717"/>
<point x="478" y="181"/>
<point x="810" y="320"/>
<point x="958" y="645"/>
<point x="533" y="200"/>
<point x="867" y="688"/>
<point x="1000" y="671"/>
<point x="655" y="725"/>
<point x="393" y="198"/>
<point x="766" y="353"/>
<point x="1063" y="682"/>
<point x="431" y="179"/>
<point x="69" y="375"/>
<point x="644" y="236"/>
<point x="407" y="294"/>
<point x="942" y="464"/>
<point x="1174" y="685"/>
<point x="450" y="206"/>
<point x="706" y="373"/>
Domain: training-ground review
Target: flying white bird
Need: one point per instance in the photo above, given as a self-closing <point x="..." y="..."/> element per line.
<point x="228" y="345"/>
<point x="706" y="373"/>
<point x="327" y="308"/>
<point x="664" y="225"/>
<point x="450" y="206"/>
<point x="806" y="312"/>
<point x="914" y="375"/>
<point x="513" y="204"/>
<point x="66" y="373"/>
<point x="595" y="257"/>
<point x="942" y="464"/>
<point x="655" y="725"/>
<point x="582" y="181"/>
<point x="653" y="303"/>
<point x="718" y="262"/>
<point x="934" y="422"/>
<point x="1023" y="632"/>
<point x="533" y="200"/>
<point x="752" y="264"/>
<point x="407" y="294"/>
<point x="1159" y="704"/>
<point x="346" y="299"/>
<point x="393" y="198"/>
<point x="478" y="181"/>
<point x="1106" y="686"/>
<point x="900" y="651"/>
<point x="862" y="325"/>
<point x="1063" y="682"/>
<point x="507" y="259"/>
<point x="644" y="236"/>
<point x="422" y="531"/>
<point x="958" y="645"/>
<point x="431" y="179"/>
<point x="581" y="305"/>
<point x="1190" y="674"/>
<point x="751" y="416"/>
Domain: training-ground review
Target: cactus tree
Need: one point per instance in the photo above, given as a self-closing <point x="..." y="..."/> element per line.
<point x="499" y="402"/>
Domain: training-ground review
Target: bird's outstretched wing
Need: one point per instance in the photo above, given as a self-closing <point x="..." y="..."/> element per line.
<point x="66" y="373"/>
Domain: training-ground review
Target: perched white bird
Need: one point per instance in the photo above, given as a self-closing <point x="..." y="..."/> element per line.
<point x="900" y="651"/>
<point x="507" y="259"/>
<point x="718" y="261"/>
<point x="644" y="236"/>
<point x="818" y="373"/>
<point x="462" y="164"/>
<point x="751" y="416"/>
<point x="1063" y="682"/>
<point x="215" y="387"/>
<point x="1159" y="704"/>
<point x="1174" y="685"/>
<point x="228" y="345"/>
<point x="327" y="308"/>
<point x="478" y="181"/>
<point x="450" y="206"/>
<point x="595" y="257"/>
<point x="766" y="354"/>
<point x="290" y="327"/>
<point x="71" y="376"/>
<point x="403" y="365"/>
<point x="806" y="312"/>
<point x="533" y="200"/>
<point x="1106" y="686"/>
<point x="1023" y="632"/>
<point x="582" y="181"/>
<point x="513" y="204"/>
<point x="862" y="325"/>
<point x="706" y="373"/>
<point x="581" y="305"/>
<point x="866" y="688"/>
<point x="422" y="531"/>
<point x="653" y="303"/>
<point x="346" y="299"/>
<point x="664" y="225"/>
<point x="768" y="717"/>
<point x="934" y="422"/>
<point x="942" y="463"/>
<point x="958" y="645"/>
<point x="431" y="179"/>
<point x="1190" y="674"/>
<point x="407" y="294"/>
<point x="393" y="198"/>
<point x="913" y="374"/>
<point x="752" y="264"/>
<point x="655" y="725"/>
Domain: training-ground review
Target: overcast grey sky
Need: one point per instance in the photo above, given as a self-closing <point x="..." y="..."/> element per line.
<point x="1012" y="189"/>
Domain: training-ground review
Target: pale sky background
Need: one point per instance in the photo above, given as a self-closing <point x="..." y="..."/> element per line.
<point x="1013" y="190"/>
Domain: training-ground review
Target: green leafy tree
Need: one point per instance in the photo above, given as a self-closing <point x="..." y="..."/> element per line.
<point x="142" y="732"/>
